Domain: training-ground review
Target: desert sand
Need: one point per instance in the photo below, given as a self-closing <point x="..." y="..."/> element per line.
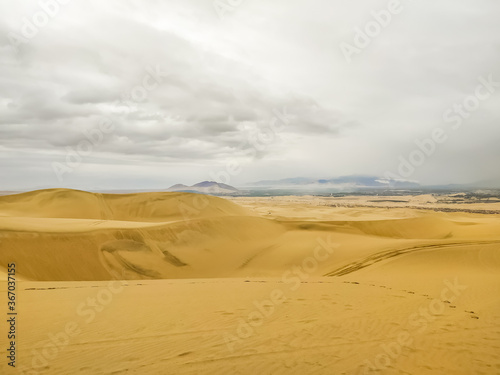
<point x="179" y="283"/>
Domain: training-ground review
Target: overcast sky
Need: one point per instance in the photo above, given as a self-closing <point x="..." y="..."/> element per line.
<point x="185" y="91"/>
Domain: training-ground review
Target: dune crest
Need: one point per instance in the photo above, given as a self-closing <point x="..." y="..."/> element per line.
<point x="77" y="204"/>
<point x="62" y="234"/>
<point x="333" y="286"/>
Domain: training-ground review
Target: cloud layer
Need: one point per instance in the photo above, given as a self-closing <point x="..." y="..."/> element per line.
<point x="266" y="87"/>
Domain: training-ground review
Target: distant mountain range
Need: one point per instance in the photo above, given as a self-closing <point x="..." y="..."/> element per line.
<point x="206" y="187"/>
<point x="343" y="182"/>
<point x="299" y="185"/>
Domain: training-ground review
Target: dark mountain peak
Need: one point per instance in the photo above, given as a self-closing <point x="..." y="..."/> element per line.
<point x="206" y="187"/>
<point x="205" y="184"/>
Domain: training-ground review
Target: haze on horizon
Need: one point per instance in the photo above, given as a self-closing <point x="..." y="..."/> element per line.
<point x="181" y="93"/>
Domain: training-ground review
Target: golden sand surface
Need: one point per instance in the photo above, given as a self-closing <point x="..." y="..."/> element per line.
<point x="179" y="283"/>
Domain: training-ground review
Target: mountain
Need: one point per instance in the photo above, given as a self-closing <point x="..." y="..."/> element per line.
<point x="206" y="187"/>
<point x="213" y="184"/>
<point x="178" y="187"/>
<point x="343" y="182"/>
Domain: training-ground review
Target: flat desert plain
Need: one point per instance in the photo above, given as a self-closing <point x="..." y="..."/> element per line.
<point x="179" y="283"/>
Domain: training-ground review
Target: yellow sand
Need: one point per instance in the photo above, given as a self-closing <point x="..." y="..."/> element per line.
<point x="288" y="285"/>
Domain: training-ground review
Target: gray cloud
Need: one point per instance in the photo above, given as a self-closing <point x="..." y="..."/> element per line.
<point x="218" y="83"/>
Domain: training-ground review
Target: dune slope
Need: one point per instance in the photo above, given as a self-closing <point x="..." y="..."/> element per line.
<point x="278" y="287"/>
<point x="64" y="234"/>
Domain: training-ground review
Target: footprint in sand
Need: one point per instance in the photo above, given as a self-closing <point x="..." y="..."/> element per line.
<point x="472" y="312"/>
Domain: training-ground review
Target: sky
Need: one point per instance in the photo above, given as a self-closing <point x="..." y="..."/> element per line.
<point x="147" y="94"/>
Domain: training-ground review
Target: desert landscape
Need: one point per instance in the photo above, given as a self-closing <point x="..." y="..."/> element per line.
<point x="182" y="283"/>
<point x="234" y="187"/>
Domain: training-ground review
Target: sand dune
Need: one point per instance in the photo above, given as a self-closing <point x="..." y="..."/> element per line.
<point x="74" y="235"/>
<point x="75" y="204"/>
<point x="363" y="289"/>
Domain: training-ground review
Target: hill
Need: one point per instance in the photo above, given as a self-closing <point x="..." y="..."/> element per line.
<point x="206" y="187"/>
